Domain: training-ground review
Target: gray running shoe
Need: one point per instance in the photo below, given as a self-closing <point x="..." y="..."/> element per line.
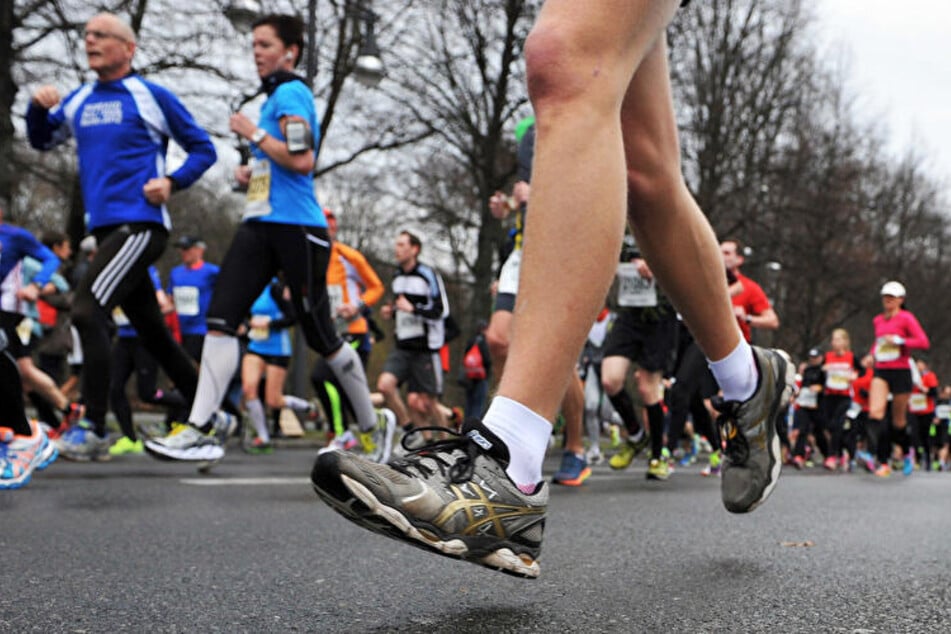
<point x="224" y="425"/>
<point x="82" y="444"/>
<point x="452" y="497"/>
<point x="752" y="462"/>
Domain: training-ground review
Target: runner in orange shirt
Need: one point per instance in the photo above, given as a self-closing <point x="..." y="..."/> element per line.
<point x="352" y="286"/>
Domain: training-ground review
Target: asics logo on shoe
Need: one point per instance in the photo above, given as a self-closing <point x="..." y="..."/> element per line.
<point x="484" y="516"/>
<point x="479" y="439"/>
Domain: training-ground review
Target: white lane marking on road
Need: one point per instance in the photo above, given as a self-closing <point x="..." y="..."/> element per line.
<point x="207" y="482"/>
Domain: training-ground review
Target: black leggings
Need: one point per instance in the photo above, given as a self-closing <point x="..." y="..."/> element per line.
<point x="128" y="356"/>
<point x="258" y="251"/>
<point x="921" y="423"/>
<point x="809" y="421"/>
<point x="119" y="276"/>
<point x="834" y="408"/>
<point x="693" y="384"/>
<point x="11" y="392"/>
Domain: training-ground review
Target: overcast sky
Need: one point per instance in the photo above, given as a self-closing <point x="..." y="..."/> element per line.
<point x="900" y="58"/>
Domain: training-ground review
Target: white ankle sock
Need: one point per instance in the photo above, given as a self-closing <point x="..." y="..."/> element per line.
<point x="526" y="435"/>
<point x="736" y="374"/>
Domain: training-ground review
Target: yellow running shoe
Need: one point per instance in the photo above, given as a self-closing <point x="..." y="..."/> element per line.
<point x="125" y="445"/>
<point x="628" y="451"/>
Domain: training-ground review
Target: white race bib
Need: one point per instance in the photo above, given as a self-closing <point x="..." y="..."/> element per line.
<point x="943" y="412"/>
<point x="807" y="399"/>
<point x="854" y="410"/>
<point x="119" y="317"/>
<point x="838" y="379"/>
<point x="186" y="300"/>
<point x="25" y="330"/>
<point x="508" y="278"/>
<point x="258" y="202"/>
<point x="409" y="325"/>
<point x="634" y="290"/>
<point x="335" y="294"/>
<point x="918" y="403"/>
<point x="886" y="351"/>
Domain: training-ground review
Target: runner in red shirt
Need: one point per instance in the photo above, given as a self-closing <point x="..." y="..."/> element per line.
<point x="750" y="304"/>
<point x="858" y="413"/>
<point x="841" y="367"/>
<point x="921" y="406"/>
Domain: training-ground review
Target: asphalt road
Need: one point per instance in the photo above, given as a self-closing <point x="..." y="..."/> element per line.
<point x="136" y="545"/>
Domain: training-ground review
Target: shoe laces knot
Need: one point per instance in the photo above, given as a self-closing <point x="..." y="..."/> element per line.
<point x="439" y="452"/>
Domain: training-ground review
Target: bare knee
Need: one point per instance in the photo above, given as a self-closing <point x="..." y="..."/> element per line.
<point x="386" y="384"/>
<point x="612" y="383"/>
<point x="419" y="403"/>
<point x="565" y="64"/>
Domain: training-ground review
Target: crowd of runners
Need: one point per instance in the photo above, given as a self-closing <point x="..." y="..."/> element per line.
<point x="668" y="366"/>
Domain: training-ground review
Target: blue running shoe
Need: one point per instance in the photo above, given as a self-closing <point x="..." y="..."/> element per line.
<point x="81" y="443"/>
<point x="908" y="464"/>
<point x="573" y="472"/>
<point x="865" y="459"/>
<point x="20" y="456"/>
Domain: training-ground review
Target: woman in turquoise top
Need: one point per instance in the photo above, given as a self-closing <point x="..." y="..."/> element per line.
<point x="283" y="230"/>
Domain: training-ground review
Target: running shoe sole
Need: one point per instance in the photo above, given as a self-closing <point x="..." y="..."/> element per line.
<point x="355" y="502"/>
<point x="210" y="453"/>
<point x="785" y="381"/>
<point x="576" y="481"/>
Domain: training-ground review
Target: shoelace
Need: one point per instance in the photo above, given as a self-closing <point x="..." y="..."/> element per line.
<point x="460" y="471"/>
<point x="737" y="446"/>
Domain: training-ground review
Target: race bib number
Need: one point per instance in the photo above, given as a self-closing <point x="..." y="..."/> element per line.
<point x="943" y="412"/>
<point x="25" y="330"/>
<point x="186" y="300"/>
<point x="854" y="410"/>
<point x="409" y="325"/>
<point x="258" y="202"/>
<point x="807" y="399"/>
<point x="838" y="379"/>
<point x="259" y="334"/>
<point x="634" y="290"/>
<point x="886" y="351"/>
<point x="335" y="294"/>
<point x="918" y="403"/>
<point x="508" y="278"/>
<point x="119" y="317"/>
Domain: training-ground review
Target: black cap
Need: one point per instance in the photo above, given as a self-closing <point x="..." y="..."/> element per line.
<point x="815" y="352"/>
<point x="187" y="242"/>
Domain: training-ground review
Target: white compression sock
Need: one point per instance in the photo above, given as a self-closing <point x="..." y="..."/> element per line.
<point x="736" y="374"/>
<point x="296" y="403"/>
<point x="526" y="435"/>
<point x="219" y="362"/>
<point x="346" y="366"/>
<point x="256" y="412"/>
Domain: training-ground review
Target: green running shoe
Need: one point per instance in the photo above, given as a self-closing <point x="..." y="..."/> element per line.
<point x="658" y="469"/>
<point x="628" y="451"/>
